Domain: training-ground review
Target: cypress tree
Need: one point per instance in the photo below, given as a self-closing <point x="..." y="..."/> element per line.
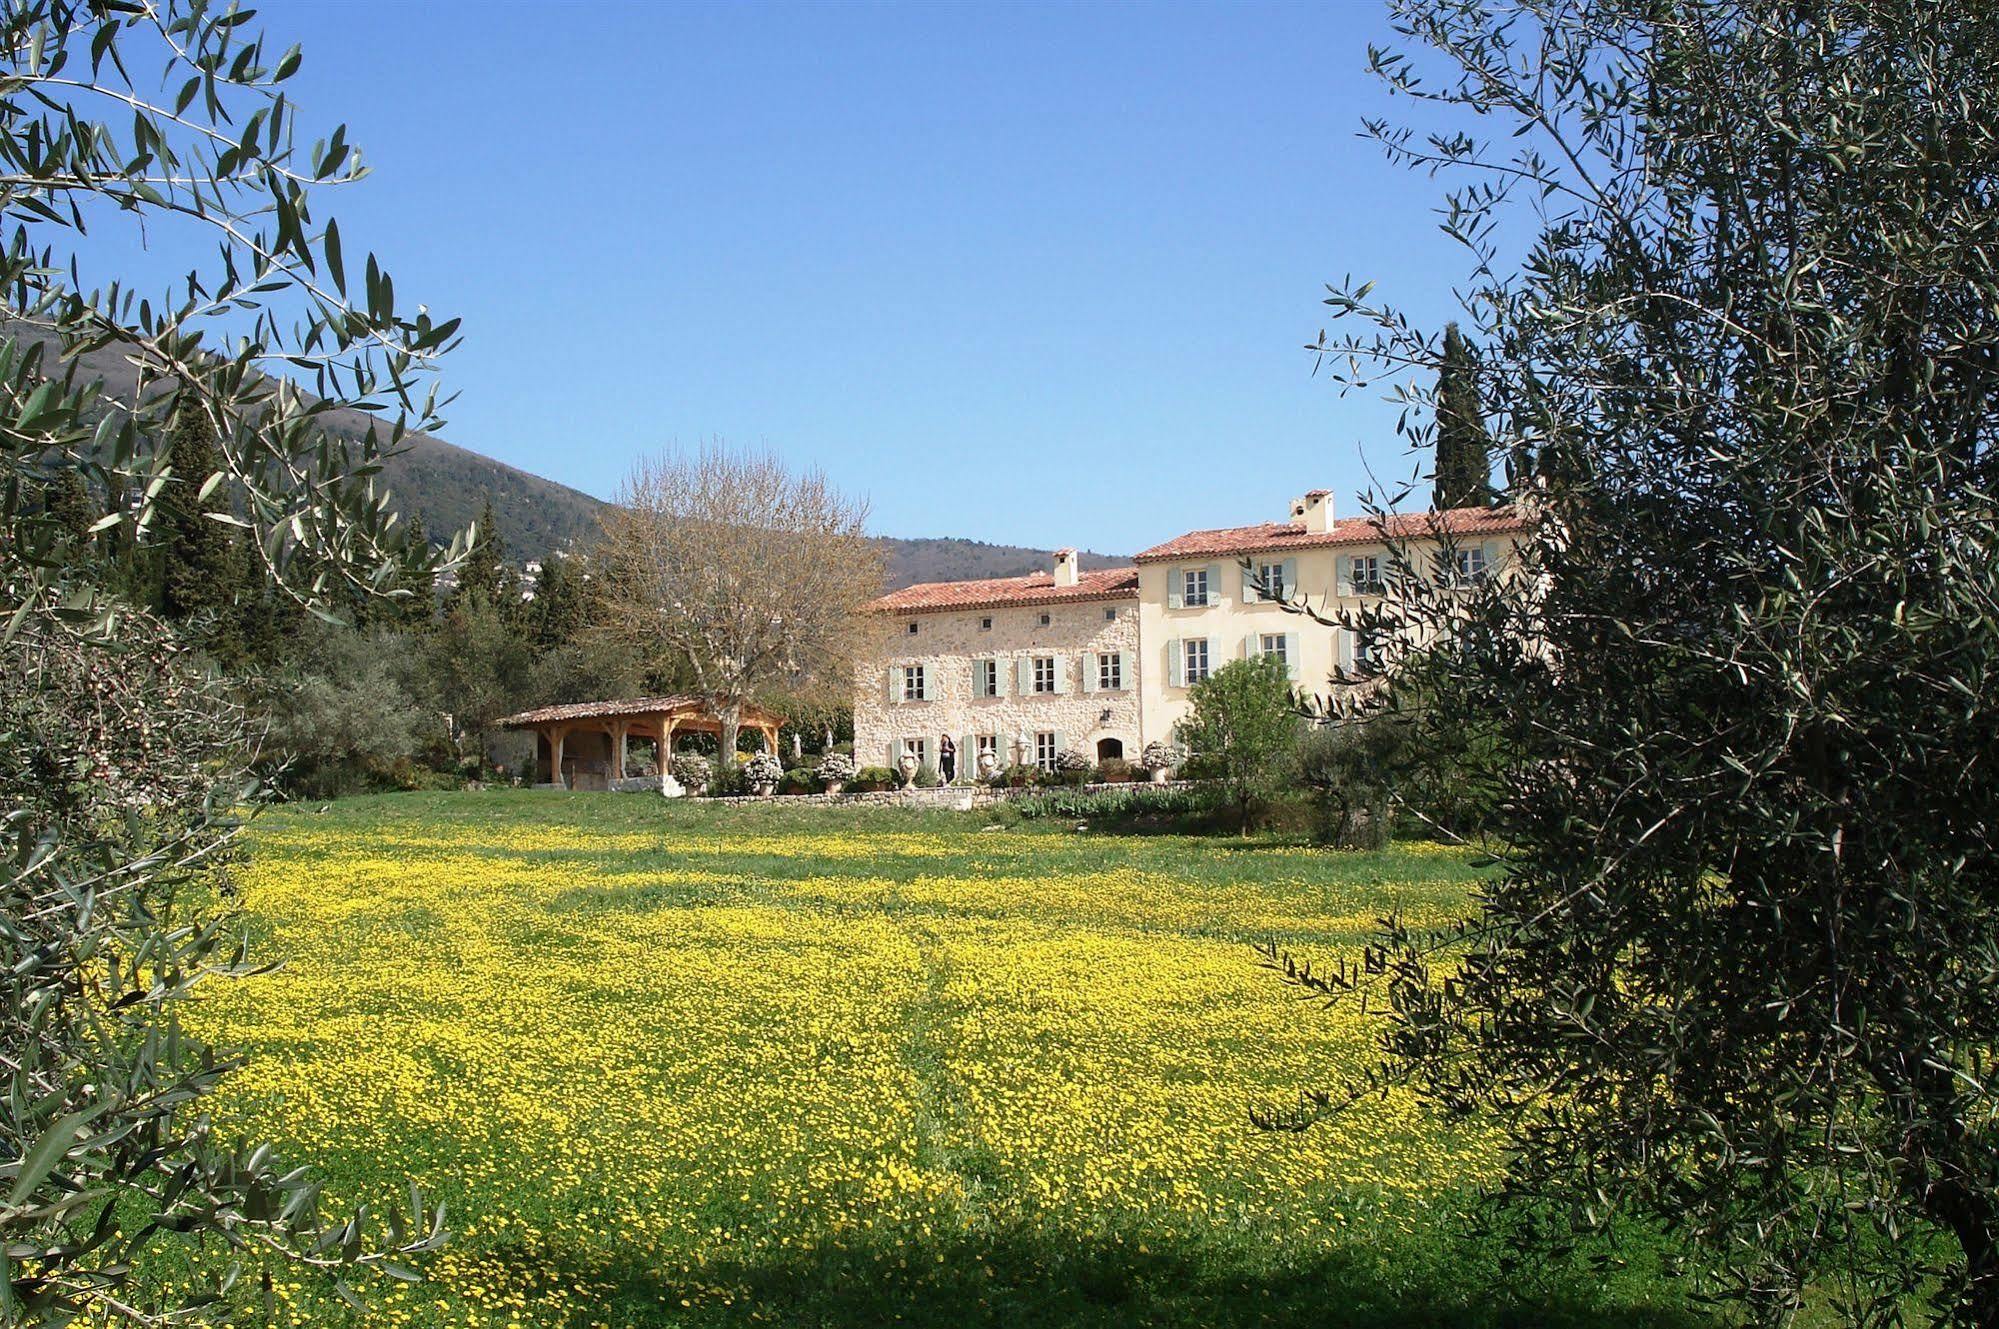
<point x="558" y="604"/>
<point x="1464" y="451"/>
<point x="199" y="568"/>
<point x="483" y="578"/>
<point x="66" y="501"/>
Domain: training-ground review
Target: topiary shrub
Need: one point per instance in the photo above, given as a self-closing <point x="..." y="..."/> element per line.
<point x="798" y="780"/>
<point x="871" y="779"/>
<point x="694" y="772"/>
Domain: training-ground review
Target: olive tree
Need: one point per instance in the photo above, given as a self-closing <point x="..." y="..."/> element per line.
<point x="1242" y="726"/>
<point x="1738" y="970"/>
<point x="121" y="762"/>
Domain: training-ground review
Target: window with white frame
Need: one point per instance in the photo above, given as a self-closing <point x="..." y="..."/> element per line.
<point x="1110" y="671"/>
<point x="1044" y="750"/>
<point x="984" y="743"/>
<point x="1044" y="673"/>
<point x="918" y="748"/>
<point x="1367" y="655"/>
<point x="1272" y="643"/>
<point x="912" y="683"/>
<point x="1367" y="574"/>
<point x="1194" y="659"/>
<point x="985" y="678"/>
<point x="1270" y="581"/>
<point x="1471" y="564"/>
<point x="1193" y="587"/>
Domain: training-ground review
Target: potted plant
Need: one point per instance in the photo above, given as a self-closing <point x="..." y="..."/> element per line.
<point x="761" y="773"/>
<point x="1160" y="759"/>
<point x="693" y="771"/>
<point x="835" y="769"/>
<point x="1071" y="766"/>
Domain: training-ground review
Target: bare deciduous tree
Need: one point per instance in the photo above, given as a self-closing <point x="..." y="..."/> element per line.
<point x="748" y="577"/>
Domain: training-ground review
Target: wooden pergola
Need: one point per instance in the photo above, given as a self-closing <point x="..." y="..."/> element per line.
<point x="582" y="745"/>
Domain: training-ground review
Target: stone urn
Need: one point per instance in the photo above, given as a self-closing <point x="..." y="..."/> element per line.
<point x="907" y="767"/>
<point x="988" y="763"/>
<point x="1160" y="775"/>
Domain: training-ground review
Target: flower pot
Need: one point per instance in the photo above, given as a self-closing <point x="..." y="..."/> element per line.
<point x="1161" y="775"/>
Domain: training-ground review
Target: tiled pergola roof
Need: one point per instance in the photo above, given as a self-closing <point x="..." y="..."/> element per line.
<point x="678" y="707"/>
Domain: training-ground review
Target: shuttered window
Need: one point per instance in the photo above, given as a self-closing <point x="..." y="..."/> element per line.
<point x="1194" y="660"/>
<point x="1110" y="672"/>
<point x="1193" y="587"/>
<point x="1044" y="750"/>
<point x="1044" y="673"/>
<point x="913" y="684"/>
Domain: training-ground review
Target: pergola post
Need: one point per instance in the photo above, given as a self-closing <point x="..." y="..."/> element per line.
<point x="668" y="786"/>
<point x="622" y="728"/>
<point x="555" y="734"/>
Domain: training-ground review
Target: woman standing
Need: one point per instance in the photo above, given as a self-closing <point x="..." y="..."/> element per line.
<point x="947" y="758"/>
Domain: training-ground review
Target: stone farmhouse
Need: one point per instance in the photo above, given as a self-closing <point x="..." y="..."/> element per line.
<point x="1103" y="661"/>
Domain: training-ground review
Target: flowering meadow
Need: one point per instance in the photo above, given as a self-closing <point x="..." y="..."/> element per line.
<point x="681" y="1065"/>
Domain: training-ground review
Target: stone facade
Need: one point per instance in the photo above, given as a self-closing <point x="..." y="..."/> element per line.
<point x="954" y="648"/>
<point x="1188" y="607"/>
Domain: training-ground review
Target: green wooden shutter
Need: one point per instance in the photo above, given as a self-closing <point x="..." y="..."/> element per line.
<point x="1090" y="669"/>
<point x="1289" y="571"/>
<point x="1291" y="661"/>
<point x="1343" y="575"/>
<point x="1176" y="581"/>
<point x="1251" y="590"/>
<point x="1024" y="675"/>
<point x="1176" y="665"/>
<point x="1214" y="583"/>
<point x="1343" y="648"/>
<point x="1061" y="674"/>
<point x="1126" y="680"/>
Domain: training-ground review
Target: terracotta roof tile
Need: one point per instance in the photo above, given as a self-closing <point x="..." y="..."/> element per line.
<point x="1037" y="588"/>
<point x="680" y="703"/>
<point x="1368" y="529"/>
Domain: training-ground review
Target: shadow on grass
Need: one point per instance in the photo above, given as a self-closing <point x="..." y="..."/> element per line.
<point x="1045" y="1280"/>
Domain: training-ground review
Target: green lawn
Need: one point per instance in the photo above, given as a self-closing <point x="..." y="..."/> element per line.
<point x="673" y="1064"/>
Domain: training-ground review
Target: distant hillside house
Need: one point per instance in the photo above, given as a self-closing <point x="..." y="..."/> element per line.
<point x="1104" y="661"/>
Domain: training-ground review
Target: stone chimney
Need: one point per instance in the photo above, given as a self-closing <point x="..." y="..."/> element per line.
<point x="1065" y="567"/>
<point x="1314" y="511"/>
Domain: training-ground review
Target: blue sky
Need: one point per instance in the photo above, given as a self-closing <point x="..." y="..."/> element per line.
<point x="1029" y="274"/>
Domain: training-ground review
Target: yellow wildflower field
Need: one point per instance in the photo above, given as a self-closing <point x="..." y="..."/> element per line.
<point x="682" y="1065"/>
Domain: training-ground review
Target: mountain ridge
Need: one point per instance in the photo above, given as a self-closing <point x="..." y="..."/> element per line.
<point x="446" y="486"/>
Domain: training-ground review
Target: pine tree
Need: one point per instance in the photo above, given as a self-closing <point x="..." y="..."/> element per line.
<point x="1464" y="451"/>
<point x="199" y="569"/>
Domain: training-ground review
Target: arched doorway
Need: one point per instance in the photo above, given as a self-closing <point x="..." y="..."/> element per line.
<point x="1110" y="749"/>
